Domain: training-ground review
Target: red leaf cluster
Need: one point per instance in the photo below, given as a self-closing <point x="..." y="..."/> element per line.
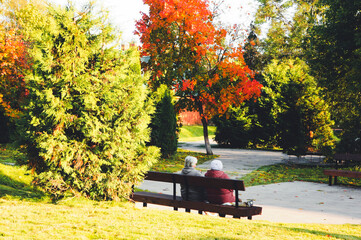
<point x="13" y="63"/>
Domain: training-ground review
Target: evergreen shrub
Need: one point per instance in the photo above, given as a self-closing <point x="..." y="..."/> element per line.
<point x="164" y="127"/>
<point x="86" y="123"/>
<point x="234" y="129"/>
<point x="304" y="119"/>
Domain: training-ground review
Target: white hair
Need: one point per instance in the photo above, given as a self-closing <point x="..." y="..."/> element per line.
<point x="190" y="161"/>
<point x="216" y="165"/>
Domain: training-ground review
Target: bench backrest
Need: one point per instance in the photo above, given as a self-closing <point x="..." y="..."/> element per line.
<point x="197" y="181"/>
<point x="237" y="185"/>
<point x="348" y="157"/>
<point x="342" y="173"/>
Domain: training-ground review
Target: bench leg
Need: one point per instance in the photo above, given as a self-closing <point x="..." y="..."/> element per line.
<point x="222" y="215"/>
<point x="235" y="216"/>
<point x="330" y="180"/>
<point x="144" y="204"/>
<point x="249" y="217"/>
<point x="200" y="212"/>
<point x="175" y="209"/>
<point x="188" y="210"/>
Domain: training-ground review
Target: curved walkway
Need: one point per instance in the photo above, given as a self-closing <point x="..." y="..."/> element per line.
<point x="237" y="162"/>
<point x="290" y="202"/>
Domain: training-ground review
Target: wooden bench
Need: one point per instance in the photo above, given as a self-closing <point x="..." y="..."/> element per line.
<point x="346" y="159"/>
<point x="334" y="173"/>
<point x="343" y="159"/>
<point x="176" y="202"/>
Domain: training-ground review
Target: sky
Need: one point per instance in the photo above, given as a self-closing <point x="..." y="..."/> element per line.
<point x="124" y="13"/>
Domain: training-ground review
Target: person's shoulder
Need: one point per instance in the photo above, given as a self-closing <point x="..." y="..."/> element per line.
<point x="195" y="172"/>
<point x="211" y="174"/>
<point x="224" y="175"/>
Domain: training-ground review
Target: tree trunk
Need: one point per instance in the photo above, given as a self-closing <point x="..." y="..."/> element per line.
<point x="206" y="138"/>
<point x="205" y="128"/>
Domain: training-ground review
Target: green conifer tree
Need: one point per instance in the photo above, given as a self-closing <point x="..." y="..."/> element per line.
<point x="164" y="123"/>
<point x="86" y="124"/>
<point x="304" y="120"/>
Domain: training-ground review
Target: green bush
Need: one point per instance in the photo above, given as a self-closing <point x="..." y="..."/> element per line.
<point x="304" y="119"/>
<point x="164" y="126"/>
<point x="86" y="123"/>
<point x="234" y="129"/>
<point x="252" y="124"/>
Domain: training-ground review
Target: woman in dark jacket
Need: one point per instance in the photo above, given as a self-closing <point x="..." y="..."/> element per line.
<point x="194" y="193"/>
<point x="218" y="195"/>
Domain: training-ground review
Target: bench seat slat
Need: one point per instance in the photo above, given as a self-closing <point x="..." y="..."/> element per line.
<point x="167" y="200"/>
<point x="334" y="173"/>
<point x="155" y="198"/>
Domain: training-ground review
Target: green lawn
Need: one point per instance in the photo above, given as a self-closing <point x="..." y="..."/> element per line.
<point x="195" y="133"/>
<point x="83" y="219"/>
<point x="176" y="162"/>
<point x="285" y="173"/>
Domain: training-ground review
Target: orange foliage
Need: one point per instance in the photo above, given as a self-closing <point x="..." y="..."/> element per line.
<point x="190" y="53"/>
<point x="13" y="63"/>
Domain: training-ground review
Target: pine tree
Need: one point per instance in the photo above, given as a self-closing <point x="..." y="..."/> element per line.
<point x="86" y="124"/>
<point x="164" y="124"/>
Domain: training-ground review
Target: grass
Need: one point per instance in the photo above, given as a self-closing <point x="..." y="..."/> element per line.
<point x="288" y="173"/>
<point x="195" y="133"/>
<point x="9" y="154"/>
<point x="83" y="219"/>
<point x="27" y="213"/>
<point x="15" y="181"/>
<point x="176" y="162"/>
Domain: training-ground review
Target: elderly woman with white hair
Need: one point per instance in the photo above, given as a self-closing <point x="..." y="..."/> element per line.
<point x="218" y="195"/>
<point x="194" y="193"/>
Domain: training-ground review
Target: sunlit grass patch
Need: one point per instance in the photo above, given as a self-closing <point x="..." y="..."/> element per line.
<point x="176" y="162"/>
<point x="15" y="182"/>
<point x="195" y="133"/>
<point x="85" y="219"/>
<point x="288" y="173"/>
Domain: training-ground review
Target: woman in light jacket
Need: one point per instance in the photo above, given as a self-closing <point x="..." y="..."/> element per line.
<point x="194" y="193"/>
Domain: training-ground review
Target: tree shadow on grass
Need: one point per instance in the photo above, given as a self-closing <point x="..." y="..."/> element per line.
<point x="10" y="187"/>
<point x="322" y="233"/>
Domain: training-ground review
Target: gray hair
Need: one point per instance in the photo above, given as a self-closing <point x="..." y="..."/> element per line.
<point x="190" y="161"/>
<point x="216" y="165"/>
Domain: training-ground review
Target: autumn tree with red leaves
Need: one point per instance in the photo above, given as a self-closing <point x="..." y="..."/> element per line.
<point x="190" y="54"/>
<point x="13" y="63"/>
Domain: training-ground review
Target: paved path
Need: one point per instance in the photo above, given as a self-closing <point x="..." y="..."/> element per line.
<point x="238" y="162"/>
<point x="298" y="202"/>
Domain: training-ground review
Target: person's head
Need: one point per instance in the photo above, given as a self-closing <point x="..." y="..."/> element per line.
<point x="216" y="165"/>
<point x="190" y="161"/>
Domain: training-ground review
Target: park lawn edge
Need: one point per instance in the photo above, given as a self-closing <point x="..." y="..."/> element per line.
<point x="78" y="218"/>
